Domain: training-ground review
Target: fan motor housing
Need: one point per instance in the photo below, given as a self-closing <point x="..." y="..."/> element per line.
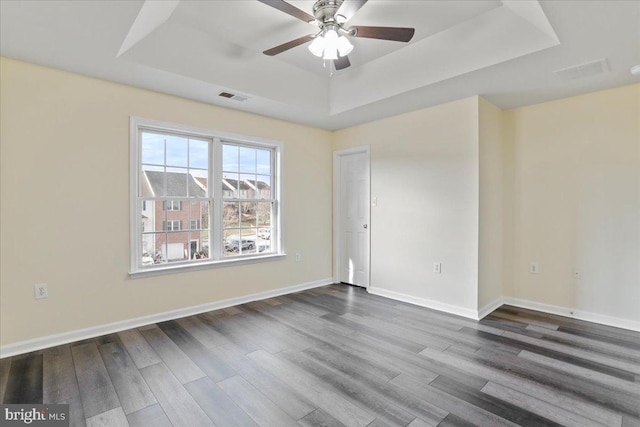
<point x="325" y="10"/>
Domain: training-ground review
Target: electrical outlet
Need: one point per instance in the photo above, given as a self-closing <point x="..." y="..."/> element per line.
<point x="437" y="267"/>
<point x="298" y="257"/>
<point x="577" y="274"/>
<point x="534" y="268"/>
<point x="41" y="291"/>
<point x="374" y="202"/>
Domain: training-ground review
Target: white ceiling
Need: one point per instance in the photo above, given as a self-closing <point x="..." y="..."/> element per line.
<point x="504" y="50"/>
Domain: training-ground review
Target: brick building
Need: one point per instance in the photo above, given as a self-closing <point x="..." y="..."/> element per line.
<point x="174" y="229"/>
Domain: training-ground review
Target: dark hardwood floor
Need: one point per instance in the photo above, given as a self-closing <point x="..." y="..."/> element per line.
<point x="337" y="356"/>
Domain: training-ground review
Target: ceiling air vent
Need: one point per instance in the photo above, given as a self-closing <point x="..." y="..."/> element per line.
<point x="233" y="96"/>
<point x="584" y="70"/>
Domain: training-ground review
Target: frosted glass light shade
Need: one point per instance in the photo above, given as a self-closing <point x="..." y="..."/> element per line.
<point x="344" y="46"/>
<point x="317" y="46"/>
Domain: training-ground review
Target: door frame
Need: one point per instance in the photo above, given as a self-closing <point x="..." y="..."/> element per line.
<point x="337" y="158"/>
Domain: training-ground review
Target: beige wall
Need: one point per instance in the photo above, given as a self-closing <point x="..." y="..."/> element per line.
<point x="424" y="173"/>
<point x="483" y="191"/>
<point x="576" y="202"/>
<point x="65" y="204"/>
<point x="491" y="218"/>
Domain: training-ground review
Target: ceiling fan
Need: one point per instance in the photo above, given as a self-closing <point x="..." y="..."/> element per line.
<point x="332" y="41"/>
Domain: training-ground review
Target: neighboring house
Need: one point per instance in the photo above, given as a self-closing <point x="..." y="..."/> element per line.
<point x="247" y="189"/>
<point x="178" y="223"/>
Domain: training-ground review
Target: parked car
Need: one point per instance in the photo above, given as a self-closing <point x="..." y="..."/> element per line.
<point x="234" y="244"/>
<point x="264" y="233"/>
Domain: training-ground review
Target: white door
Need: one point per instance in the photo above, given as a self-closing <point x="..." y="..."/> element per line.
<point x="353" y="217"/>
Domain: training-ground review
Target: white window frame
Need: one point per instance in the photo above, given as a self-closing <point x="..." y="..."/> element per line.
<point x="172" y="222"/>
<point x="216" y="243"/>
<point x="170" y="205"/>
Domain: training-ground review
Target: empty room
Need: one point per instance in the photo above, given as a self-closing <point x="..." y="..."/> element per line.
<point x="319" y="213"/>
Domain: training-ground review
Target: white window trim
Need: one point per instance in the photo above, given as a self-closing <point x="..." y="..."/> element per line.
<point x="136" y="123"/>
<point x="172" y="221"/>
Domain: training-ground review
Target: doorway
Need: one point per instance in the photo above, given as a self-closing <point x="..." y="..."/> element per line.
<point x="351" y="216"/>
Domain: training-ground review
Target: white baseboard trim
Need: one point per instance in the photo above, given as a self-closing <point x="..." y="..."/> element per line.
<point x="95" y="331"/>
<point x="423" y="302"/>
<point x="588" y="316"/>
<point x="531" y="305"/>
<point x="487" y="309"/>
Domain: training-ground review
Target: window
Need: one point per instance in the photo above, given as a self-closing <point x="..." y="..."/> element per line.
<point x="172" y="225"/>
<point x="203" y="197"/>
<point x="170" y="205"/>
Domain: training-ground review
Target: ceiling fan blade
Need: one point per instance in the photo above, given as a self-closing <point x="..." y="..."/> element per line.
<point x="385" y="33"/>
<point x="289" y="9"/>
<point x="342" y="62"/>
<point x="288" y="45"/>
<point x="348" y="8"/>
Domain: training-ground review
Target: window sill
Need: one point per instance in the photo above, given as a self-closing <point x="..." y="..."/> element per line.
<point x="171" y="269"/>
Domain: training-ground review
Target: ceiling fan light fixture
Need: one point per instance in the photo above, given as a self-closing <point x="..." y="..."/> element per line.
<point x="317" y="46"/>
<point x="330" y="53"/>
<point x="330" y="45"/>
<point x="344" y="46"/>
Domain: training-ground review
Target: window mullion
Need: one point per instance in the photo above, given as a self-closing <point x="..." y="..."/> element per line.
<point x="215" y="178"/>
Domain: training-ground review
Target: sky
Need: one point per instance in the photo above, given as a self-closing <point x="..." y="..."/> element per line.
<point x="193" y="153"/>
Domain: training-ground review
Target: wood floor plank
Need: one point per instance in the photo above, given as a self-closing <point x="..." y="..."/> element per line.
<point x="391" y="393"/>
<point x="415" y="365"/>
<point x="312" y="389"/>
<point x="376" y="404"/>
<point x="388" y="337"/>
<point x="319" y="418"/>
<point x="197" y="352"/>
<point x="76" y="413"/>
<point x="552" y="412"/>
<point x="138" y="348"/>
<point x="586" y="343"/>
<point x="5" y="365"/>
<point x="490" y="403"/>
<point x="199" y="330"/>
<point x="507" y="344"/>
<point x="174" y="358"/>
<point x="286" y="337"/>
<point x="263" y="411"/>
<point x="421" y="423"/>
<point x="132" y="390"/>
<point x="59" y="382"/>
<point x="96" y="390"/>
<point x="177" y="403"/>
<point x="577" y="352"/>
<point x="218" y="406"/>
<point x="490" y="368"/>
<point x="453" y="420"/>
<point x="405" y="332"/>
<point x="347" y="360"/>
<point x="450" y="403"/>
<point x="231" y="330"/>
<point x="524" y="320"/>
<point x="615" y="383"/>
<point x="112" y="418"/>
<point x="294" y="404"/>
<point x="24" y="384"/>
<point x="628" y="421"/>
<point x="150" y="416"/>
